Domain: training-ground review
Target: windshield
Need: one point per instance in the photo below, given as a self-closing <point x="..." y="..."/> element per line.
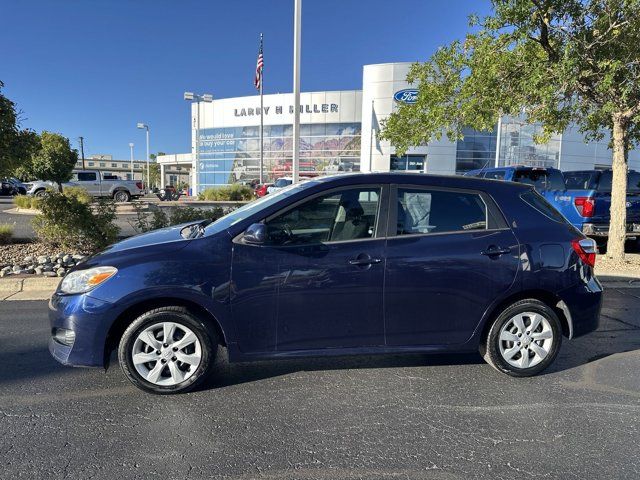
<point x="255" y="206"/>
<point x="282" y="182"/>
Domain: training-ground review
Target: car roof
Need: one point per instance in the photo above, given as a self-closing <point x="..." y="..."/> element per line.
<point x="452" y="181"/>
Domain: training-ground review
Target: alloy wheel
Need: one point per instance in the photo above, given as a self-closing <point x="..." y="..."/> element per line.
<point x="166" y="353"/>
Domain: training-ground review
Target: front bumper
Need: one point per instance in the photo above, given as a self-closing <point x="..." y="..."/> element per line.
<point x="602" y="229"/>
<point x="90" y="319"/>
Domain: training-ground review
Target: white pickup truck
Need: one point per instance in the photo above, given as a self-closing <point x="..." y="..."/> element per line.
<point x="95" y="183"/>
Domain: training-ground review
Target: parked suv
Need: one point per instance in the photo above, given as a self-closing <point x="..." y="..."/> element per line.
<point x="349" y="264"/>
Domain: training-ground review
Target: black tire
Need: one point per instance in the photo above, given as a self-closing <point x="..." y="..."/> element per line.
<point x="40" y="193"/>
<point x="490" y="349"/>
<point x="179" y="315"/>
<point x="121" y="196"/>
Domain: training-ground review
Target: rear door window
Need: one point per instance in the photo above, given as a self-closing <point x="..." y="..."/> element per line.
<point x="540" y="179"/>
<point x="423" y="211"/>
<point x="580" y="180"/>
<point x="86" y="176"/>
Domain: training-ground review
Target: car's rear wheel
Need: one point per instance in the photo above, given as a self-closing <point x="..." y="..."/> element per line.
<point x="524" y="339"/>
<point x="167" y="350"/>
<point x="121" y="196"/>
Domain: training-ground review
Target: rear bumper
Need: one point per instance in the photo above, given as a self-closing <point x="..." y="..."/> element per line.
<point x="90" y="319"/>
<point x="602" y="229"/>
<point x="581" y="304"/>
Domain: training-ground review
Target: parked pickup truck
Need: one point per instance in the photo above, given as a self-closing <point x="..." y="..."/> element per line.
<point x="96" y="184"/>
<point x="583" y="197"/>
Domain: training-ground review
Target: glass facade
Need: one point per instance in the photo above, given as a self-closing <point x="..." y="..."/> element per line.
<point x="517" y="145"/>
<point x="476" y="150"/>
<point x="229" y="155"/>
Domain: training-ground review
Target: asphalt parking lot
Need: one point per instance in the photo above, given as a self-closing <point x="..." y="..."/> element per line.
<point x="422" y="417"/>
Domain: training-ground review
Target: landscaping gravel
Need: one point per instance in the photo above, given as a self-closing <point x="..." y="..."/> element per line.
<point x="630" y="266"/>
<point x="36" y="259"/>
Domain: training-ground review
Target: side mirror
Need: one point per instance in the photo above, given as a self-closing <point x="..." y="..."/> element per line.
<point x="256" y="234"/>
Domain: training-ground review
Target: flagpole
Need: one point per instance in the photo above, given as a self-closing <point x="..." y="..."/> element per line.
<point x="261" y="121"/>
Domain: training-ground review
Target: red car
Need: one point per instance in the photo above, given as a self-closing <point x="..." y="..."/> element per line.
<point x="261" y="190"/>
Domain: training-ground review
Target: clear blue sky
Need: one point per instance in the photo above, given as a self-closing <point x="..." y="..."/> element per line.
<point x="96" y="67"/>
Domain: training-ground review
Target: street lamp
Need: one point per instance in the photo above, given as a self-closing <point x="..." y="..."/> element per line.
<point x="131" y="150"/>
<point x="194" y="97"/>
<point x="146" y="127"/>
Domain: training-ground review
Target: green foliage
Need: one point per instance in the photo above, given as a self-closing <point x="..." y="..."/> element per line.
<point x="68" y="222"/>
<point x="23" y="201"/>
<point x="556" y="62"/>
<point x="230" y="193"/>
<point x="15" y="144"/>
<point x="79" y="193"/>
<point x="54" y="159"/>
<point x="157" y="218"/>
<point x="6" y="232"/>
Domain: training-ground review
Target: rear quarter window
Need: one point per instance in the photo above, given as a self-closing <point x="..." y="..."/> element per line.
<point x="539" y="203"/>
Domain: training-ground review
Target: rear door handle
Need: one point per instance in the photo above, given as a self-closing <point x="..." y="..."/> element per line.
<point x="364" y="260"/>
<point x="495" y="251"/>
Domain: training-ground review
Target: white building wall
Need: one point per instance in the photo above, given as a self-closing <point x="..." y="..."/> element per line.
<point x="379" y="84"/>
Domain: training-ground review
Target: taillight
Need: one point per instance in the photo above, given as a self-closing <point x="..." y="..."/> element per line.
<point x="139" y="185"/>
<point x="586" y="206"/>
<point x="586" y="250"/>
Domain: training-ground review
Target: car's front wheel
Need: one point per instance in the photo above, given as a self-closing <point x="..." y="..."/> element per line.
<point x="524" y="339"/>
<point x="167" y="350"/>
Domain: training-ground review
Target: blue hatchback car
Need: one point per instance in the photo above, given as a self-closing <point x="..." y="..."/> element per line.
<point x="349" y="264"/>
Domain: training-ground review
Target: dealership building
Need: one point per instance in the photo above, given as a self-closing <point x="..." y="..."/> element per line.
<point x="339" y="131"/>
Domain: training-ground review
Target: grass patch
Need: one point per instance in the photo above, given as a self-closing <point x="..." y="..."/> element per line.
<point x="6" y="232"/>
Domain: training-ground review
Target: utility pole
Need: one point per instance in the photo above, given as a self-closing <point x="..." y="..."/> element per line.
<point x="82" y="151"/>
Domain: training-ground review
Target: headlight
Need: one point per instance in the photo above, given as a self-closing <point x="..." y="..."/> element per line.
<point x="84" y="280"/>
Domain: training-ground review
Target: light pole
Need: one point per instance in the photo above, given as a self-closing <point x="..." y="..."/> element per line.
<point x="131" y="156"/>
<point x="146" y="127"/>
<point x="194" y="97"/>
<point x="297" y="40"/>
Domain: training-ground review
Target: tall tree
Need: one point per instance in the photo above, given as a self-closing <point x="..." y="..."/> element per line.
<point x="16" y="144"/>
<point x="54" y="159"/>
<point x="557" y="62"/>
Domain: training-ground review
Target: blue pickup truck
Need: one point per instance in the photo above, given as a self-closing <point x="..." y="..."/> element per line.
<point x="583" y="197"/>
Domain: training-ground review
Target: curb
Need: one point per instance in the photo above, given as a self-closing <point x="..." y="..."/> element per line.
<point x="38" y="288"/>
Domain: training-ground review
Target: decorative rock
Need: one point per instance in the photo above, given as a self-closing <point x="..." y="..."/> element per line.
<point x="60" y="272"/>
<point x="42" y="259"/>
<point x="47" y="268"/>
<point x="4" y="273"/>
<point x="77" y="257"/>
<point x="67" y="259"/>
<point x="38" y="270"/>
<point x="29" y="259"/>
<point x="49" y="274"/>
<point x="16" y="269"/>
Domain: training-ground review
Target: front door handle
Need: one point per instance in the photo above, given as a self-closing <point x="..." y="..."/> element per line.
<point x="494" y="251"/>
<point x="363" y="260"/>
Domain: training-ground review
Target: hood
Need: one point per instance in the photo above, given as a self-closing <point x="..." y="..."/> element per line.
<point x="156" y="237"/>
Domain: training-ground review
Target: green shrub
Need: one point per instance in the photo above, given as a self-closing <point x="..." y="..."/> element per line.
<point x="6" y="232"/>
<point x="190" y="214"/>
<point x="79" y="193"/>
<point x="22" y="201"/>
<point x="228" y="193"/>
<point x="69" y="223"/>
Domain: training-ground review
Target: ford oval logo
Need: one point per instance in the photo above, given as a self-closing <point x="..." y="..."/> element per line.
<point x="408" y="95"/>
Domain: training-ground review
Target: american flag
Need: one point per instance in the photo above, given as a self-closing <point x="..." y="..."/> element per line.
<point x="257" y="81"/>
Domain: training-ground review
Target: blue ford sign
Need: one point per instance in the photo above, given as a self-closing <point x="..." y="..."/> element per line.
<point x="408" y="95"/>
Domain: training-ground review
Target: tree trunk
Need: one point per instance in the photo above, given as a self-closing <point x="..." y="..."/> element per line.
<point x="618" y="222"/>
<point x="60" y="187"/>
